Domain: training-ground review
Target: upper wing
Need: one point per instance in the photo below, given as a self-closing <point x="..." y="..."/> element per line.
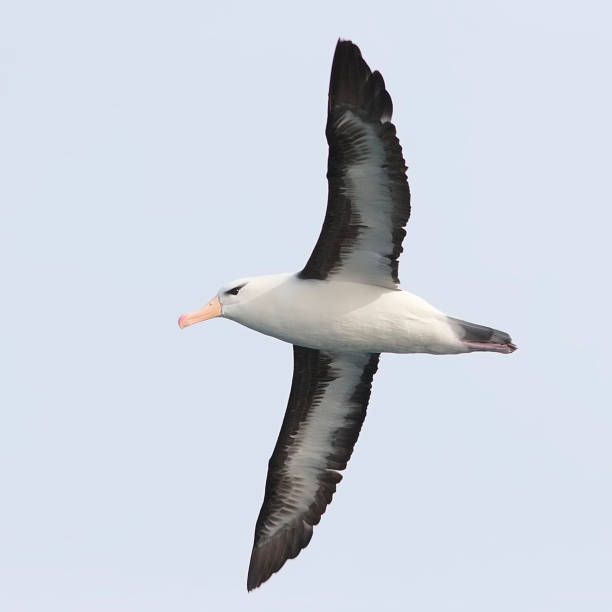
<point x="327" y="406"/>
<point x="368" y="202"/>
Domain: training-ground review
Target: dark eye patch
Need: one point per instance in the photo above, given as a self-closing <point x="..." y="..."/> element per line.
<point x="235" y="290"/>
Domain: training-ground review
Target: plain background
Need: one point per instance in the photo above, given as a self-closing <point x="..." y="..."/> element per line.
<point x="151" y="152"/>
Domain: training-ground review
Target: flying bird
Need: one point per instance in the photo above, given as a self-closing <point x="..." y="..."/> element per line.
<point x="339" y="312"/>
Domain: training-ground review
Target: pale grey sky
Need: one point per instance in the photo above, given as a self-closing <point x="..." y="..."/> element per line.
<point x="150" y="152"/>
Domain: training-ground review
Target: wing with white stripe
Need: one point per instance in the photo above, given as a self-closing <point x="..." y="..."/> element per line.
<point x="368" y="199"/>
<point x="326" y="408"/>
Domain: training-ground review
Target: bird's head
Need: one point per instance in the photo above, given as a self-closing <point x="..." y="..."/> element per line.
<point x="234" y="299"/>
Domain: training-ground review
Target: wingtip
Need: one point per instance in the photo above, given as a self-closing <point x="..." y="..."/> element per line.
<point x="251" y="584"/>
<point x="353" y="84"/>
<point x="254" y="583"/>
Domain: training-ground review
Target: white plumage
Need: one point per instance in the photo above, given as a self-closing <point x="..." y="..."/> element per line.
<point x="340" y="316"/>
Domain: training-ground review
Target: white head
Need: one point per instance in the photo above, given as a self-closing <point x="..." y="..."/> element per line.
<point x="234" y="300"/>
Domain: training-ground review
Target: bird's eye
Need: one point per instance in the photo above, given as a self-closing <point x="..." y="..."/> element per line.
<point x="234" y="291"/>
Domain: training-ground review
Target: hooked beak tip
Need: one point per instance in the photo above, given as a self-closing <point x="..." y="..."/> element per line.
<point x="210" y="311"/>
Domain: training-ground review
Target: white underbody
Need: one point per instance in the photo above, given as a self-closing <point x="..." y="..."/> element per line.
<point x="342" y="316"/>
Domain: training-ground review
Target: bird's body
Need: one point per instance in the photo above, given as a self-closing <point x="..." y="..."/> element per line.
<point x="343" y="316"/>
<point x="339" y="312"/>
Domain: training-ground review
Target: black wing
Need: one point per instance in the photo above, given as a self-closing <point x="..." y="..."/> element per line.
<point x="327" y="406"/>
<point x="369" y="199"/>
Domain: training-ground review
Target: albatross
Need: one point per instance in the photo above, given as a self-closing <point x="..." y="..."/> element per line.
<point x="340" y="312"/>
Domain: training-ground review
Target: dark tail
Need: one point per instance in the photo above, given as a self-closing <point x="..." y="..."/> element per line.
<point x="482" y="338"/>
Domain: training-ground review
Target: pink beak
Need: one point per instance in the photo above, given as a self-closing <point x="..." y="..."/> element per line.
<point x="210" y="311"/>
